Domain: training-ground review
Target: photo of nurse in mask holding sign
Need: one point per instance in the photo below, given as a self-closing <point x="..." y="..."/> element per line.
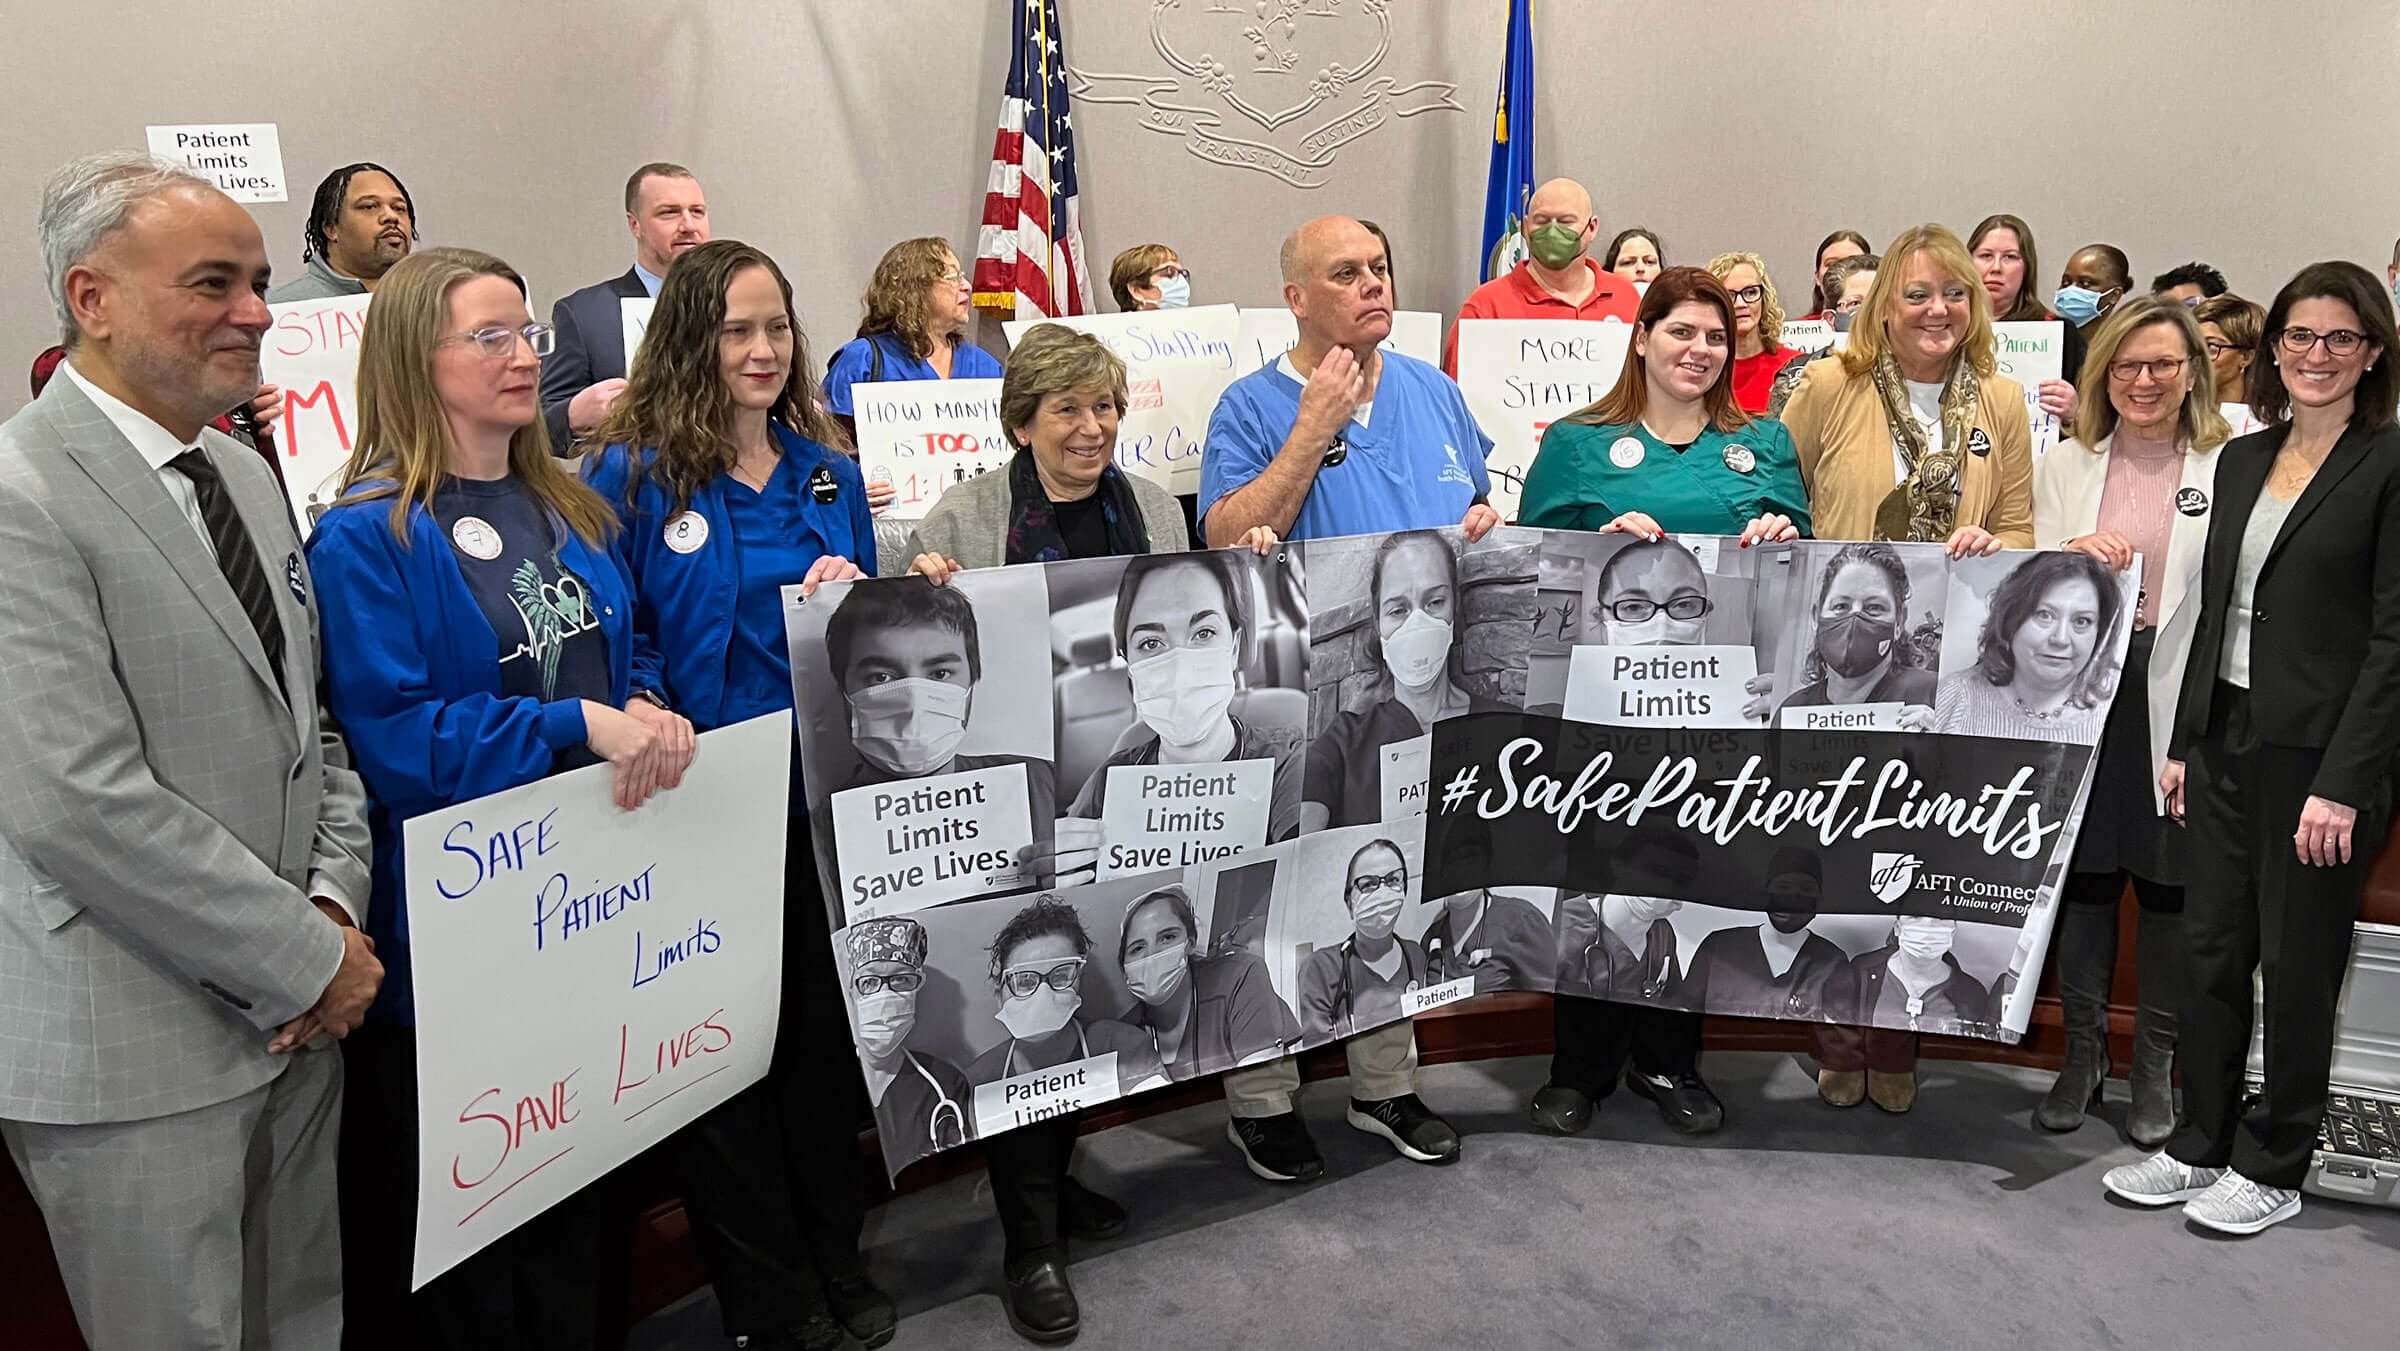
<point x="1860" y="647"/>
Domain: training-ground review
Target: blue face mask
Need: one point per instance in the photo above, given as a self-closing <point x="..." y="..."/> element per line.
<point x="1175" y="293"/>
<point x="2078" y="305"/>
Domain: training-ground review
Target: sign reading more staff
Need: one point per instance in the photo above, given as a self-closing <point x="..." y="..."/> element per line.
<point x="311" y="352"/>
<point x="588" y="981"/>
<point x="926" y="436"/>
<point x="244" y="159"/>
<point x="1176" y="364"/>
<point x="1520" y="375"/>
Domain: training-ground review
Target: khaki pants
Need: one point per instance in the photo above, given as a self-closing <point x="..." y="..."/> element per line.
<point x="1383" y="1064"/>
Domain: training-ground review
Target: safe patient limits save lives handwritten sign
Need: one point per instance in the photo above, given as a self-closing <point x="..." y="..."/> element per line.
<point x="588" y="981"/>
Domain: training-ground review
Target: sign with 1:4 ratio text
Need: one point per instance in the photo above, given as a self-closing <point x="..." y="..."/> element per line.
<point x="925" y="436"/>
<point x="312" y="353"/>
<point x="588" y="981"/>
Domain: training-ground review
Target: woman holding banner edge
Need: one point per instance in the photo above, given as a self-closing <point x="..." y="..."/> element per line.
<point x="720" y="466"/>
<point x="477" y="636"/>
<point x="1668" y="449"/>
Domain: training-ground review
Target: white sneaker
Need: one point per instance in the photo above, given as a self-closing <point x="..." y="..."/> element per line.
<point x="2160" y="1180"/>
<point x="2236" y="1205"/>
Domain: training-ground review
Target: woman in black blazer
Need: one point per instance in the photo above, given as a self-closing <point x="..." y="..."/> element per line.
<point x="2281" y="757"/>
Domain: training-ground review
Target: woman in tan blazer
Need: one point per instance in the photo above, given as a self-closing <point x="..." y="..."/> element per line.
<point x="1910" y="434"/>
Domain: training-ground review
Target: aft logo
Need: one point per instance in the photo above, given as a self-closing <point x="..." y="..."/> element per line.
<point x="1890" y="876"/>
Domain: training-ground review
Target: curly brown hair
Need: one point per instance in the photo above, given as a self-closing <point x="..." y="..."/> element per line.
<point x="675" y="401"/>
<point x="897" y="296"/>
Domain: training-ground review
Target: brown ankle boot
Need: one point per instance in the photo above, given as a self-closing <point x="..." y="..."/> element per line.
<point x="1892" y="1092"/>
<point x="1842" y="1088"/>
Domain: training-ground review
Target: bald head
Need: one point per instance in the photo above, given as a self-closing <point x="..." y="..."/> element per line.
<point x="1337" y="281"/>
<point x="1305" y="249"/>
<point x="1562" y="200"/>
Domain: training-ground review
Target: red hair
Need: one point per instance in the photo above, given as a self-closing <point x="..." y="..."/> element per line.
<point x="1624" y="405"/>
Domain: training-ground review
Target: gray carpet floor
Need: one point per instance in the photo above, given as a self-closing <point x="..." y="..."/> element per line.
<point x="1958" y="1225"/>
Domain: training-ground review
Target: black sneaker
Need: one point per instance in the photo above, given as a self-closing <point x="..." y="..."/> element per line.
<point x="1561" y="1110"/>
<point x="1277" y="1148"/>
<point x="861" y="1307"/>
<point x="1683" y="1100"/>
<point x="1410" y="1125"/>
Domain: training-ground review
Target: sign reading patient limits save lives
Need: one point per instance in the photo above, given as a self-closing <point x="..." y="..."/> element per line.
<point x="244" y="159"/>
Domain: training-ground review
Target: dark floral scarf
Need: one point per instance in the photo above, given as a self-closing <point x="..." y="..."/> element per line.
<point x="1033" y="533"/>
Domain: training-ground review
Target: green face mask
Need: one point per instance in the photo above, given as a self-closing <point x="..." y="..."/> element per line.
<point x="1554" y="245"/>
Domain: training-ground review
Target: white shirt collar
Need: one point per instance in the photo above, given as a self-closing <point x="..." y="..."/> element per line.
<point x="156" y="444"/>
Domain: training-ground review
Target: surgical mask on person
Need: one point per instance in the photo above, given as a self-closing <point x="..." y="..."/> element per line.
<point x="909" y="727"/>
<point x="1925" y="940"/>
<point x="1854" y="643"/>
<point x="1183" y="694"/>
<point x="1154" y="977"/>
<point x="1651" y="909"/>
<point x="1175" y="293"/>
<point x="2078" y="305"/>
<point x="1041" y="1013"/>
<point x="1842" y="320"/>
<point x="1555" y="245"/>
<point x="1374" y="914"/>
<point x="885" y="1018"/>
<point x="1417" y="651"/>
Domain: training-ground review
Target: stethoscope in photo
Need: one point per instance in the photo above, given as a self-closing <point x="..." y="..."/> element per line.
<point x="946" y="1124"/>
<point x="1349" y="951"/>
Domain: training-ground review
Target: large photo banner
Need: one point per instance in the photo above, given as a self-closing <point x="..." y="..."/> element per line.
<point x="1176" y="364"/>
<point x="312" y="353"/>
<point x="1232" y="807"/>
<point x="588" y="981"/>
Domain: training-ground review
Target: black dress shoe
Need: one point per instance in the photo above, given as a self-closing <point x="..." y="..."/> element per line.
<point x="1561" y="1110"/>
<point x="1086" y="1214"/>
<point x="1041" y="1305"/>
<point x="1683" y="1100"/>
<point x="861" y="1307"/>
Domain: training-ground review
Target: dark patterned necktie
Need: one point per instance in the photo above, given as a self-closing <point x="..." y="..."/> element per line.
<point x="235" y="558"/>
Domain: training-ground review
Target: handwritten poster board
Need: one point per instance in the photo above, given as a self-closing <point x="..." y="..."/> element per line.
<point x="312" y="353"/>
<point x="2029" y="354"/>
<point x="1520" y="375"/>
<point x="923" y="436"/>
<point x="1269" y="331"/>
<point x="1176" y="364"/>
<point x="588" y="981"/>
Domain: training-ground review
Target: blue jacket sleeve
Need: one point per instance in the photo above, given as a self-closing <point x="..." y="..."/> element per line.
<point x="606" y="472"/>
<point x="415" y="748"/>
<point x="848" y="366"/>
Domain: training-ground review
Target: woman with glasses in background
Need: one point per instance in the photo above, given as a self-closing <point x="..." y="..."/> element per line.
<point x="917" y="307"/>
<point x="2230" y="326"/>
<point x="1759" y="355"/>
<point x="1149" y="277"/>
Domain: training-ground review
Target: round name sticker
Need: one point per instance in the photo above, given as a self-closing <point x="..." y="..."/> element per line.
<point x="687" y="532"/>
<point x="1739" y="459"/>
<point x="476" y="538"/>
<point x="1626" y="453"/>
<point x="2191" y="501"/>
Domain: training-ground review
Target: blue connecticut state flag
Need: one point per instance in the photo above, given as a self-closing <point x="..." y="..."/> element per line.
<point x="1511" y="181"/>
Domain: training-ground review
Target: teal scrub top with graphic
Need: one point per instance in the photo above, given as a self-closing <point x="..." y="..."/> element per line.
<point x="1585" y="476"/>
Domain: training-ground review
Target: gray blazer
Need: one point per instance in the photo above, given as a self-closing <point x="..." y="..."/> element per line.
<point x="164" y="803"/>
<point x="969" y="525"/>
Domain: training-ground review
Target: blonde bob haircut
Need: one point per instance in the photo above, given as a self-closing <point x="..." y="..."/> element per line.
<point x="2200" y="425"/>
<point x="1868" y="341"/>
<point x="1770" y="305"/>
<point x="404" y="442"/>
<point x="1055" y="359"/>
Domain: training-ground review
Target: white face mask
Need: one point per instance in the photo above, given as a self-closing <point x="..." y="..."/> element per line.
<point x="1154" y="977"/>
<point x="1183" y="693"/>
<point x="1175" y="293"/>
<point x="1374" y="918"/>
<point x="885" y="1019"/>
<point x="1039" y="1014"/>
<point x="1651" y="909"/>
<point x="1925" y="939"/>
<point x="909" y="727"/>
<point x="1417" y="651"/>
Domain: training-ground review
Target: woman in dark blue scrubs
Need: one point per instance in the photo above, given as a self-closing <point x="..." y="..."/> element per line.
<point x="721" y="465"/>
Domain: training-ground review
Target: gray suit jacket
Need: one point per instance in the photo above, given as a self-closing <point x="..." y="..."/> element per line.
<point x="163" y="802"/>
<point x="591" y="348"/>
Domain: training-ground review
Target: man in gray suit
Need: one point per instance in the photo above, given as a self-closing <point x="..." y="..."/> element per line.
<point x="584" y="373"/>
<point x="183" y="846"/>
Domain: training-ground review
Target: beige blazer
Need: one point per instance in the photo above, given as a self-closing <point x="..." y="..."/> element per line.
<point x="1845" y="446"/>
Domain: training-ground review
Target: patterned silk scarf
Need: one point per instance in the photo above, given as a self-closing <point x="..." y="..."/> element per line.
<point x="1924" y="507"/>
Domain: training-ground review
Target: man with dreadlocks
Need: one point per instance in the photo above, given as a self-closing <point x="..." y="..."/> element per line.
<point x="362" y="222"/>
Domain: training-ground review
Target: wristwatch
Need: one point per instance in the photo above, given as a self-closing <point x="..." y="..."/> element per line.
<point x="657" y="699"/>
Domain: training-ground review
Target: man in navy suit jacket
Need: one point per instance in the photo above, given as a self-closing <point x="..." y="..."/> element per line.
<point x="582" y="376"/>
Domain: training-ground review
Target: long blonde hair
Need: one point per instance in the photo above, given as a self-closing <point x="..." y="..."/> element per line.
<point x="404" y="442"/>
<point x="2200" y="422"/>
<point x="1867" y="340"/>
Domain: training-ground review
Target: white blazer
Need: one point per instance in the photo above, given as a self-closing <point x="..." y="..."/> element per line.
<point x="2066" y="504"/>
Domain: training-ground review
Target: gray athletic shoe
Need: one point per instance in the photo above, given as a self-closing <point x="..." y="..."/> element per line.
<point x="2160" y="1180"/>
<point x="2236" y="1205"/>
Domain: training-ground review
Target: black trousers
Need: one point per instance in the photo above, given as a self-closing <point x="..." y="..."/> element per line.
<point x="772" y="1179"/>
<point x="1028" y="1168"/>
<point x="1593" y="1037"/>
<point x="2107" y="888"/>
<point x="537" y="1287"/>
<point x="2251" y="905"/>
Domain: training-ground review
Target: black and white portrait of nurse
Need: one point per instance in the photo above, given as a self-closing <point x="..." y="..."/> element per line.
<point x="1206" y="1011"/>
<point x="909" y="658"/>
<point x="2044" y="661"/>
<point x="1855" y="629"/>
<point x="1416" y="608"/>
<point x="1775" y="969"/>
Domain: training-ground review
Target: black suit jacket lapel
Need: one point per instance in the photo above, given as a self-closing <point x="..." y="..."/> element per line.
<point x="2347" y="455"/>
<point x="2239" y="480"/>
<point x="629" y="286"/>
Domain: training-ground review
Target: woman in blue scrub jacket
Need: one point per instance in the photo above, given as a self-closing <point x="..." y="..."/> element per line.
<point x="721" y="466"/>
<point x="478" y="636"/>
<point x="1669" y="449"/>
<point x="917" y="307"/>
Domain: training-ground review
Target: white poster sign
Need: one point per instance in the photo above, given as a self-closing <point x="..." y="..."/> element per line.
<point x="2031" y="352"/>
<point x="1270" y="331"/>
<point x="1843" y="717"/>
<point x="1520" y="375"/>
<point x="922" y="436"/>
<point x="1173" y="816"/>
<point x="244" y="159"/>
<point x="588" y="981"/>
<point x="1700" y="686"/>
<point x="1405" y="765"/>
<point x="912" y="843"/>
<point x="311" y="352"/>
<point x="1176" y="364"/>
<point x="1808" y="335"/>
<point x="634" y="313"/>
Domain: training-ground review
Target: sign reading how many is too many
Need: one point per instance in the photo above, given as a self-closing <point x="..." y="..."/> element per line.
<point x="924" y="436"/>
<point x="588" y="981"/>
<point x="1520" y="375"/>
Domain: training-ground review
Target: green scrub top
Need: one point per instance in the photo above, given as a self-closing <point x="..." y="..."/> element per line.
<point x="1583" y="478"/>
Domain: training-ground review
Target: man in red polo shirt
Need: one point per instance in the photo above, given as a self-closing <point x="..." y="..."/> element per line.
<point x="1558" y="281"/>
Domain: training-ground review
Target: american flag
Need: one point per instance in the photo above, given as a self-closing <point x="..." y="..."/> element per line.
<point x="1029" y="260"/>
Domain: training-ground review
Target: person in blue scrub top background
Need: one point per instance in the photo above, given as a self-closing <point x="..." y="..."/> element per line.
<point x="917" y="306"/>
<point x="722" y="467"/>
<point x="478" y="635"/>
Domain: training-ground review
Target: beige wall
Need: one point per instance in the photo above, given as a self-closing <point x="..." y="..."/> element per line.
<point x="2253" y="134"/>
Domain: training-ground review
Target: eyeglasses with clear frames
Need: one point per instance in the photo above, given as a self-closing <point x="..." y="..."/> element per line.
<point x="2161" y="370"/>
<point x="952" y="277"/>
<point x="2341" y="342"/>
<point x="499" y="341"/>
